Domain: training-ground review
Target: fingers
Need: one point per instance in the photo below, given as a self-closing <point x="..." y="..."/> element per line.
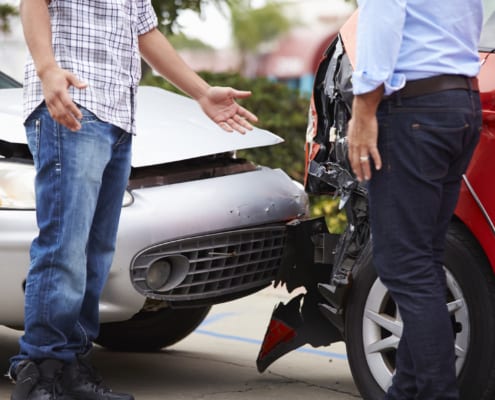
<point x="63" y="110"/>
<point x="241" y="94"/>
<point x="239" y="121"/>
<point x="60" y="105"/>
<point x="363" y="169"/>
<point x="236" y="123"/>
<point x="225" y="126"/>
<point x="241" y="111"/>
<point x="76" y="82"/>
<point x="362" y="139"/>
<point x="247" y="115"/>
<point x="377" y="160"/>
<point x="360" y="161"/>
<point x="360" y="164"/>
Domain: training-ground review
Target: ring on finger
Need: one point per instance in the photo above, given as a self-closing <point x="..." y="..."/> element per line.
<point x="363" y="158"/>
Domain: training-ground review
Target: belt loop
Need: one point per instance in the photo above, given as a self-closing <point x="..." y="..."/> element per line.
<point x="398" y="99"/>
<point x="473" y="84"/>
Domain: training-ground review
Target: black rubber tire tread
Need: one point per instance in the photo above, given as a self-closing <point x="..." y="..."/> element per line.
<point x="151" y="331"/>
<point x="466" y="261"/>
<point x="353" y="332"/>
<point x="477" y="379"/>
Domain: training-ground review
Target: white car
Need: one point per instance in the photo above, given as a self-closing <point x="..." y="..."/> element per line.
<point x="198" y="225"/>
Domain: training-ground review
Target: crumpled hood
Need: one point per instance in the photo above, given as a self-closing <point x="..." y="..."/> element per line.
<point x="170" y="127"/>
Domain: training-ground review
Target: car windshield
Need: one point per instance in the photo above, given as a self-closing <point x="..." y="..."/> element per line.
<point x="487" y="42"/>
<point x="6" y="82"/>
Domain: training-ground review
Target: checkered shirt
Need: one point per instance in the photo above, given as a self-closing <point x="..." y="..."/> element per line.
<point x="97" y="40"/>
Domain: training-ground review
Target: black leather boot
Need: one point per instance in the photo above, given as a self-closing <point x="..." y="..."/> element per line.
<point x="82" y="382"/>
<point x="39" y="381"/>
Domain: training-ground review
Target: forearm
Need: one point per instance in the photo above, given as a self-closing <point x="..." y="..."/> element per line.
<point x="164" y="59"/>
<point x="37" y="32"/>
<point x="364" y="106"/>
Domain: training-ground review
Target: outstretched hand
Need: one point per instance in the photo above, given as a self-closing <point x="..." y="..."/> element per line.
<point x="220" y="105"/>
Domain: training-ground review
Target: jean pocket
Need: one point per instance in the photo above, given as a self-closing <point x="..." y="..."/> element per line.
<point x="87" y="116"/>
<point x="438" y="146"/>
<point x="33" y="133"/>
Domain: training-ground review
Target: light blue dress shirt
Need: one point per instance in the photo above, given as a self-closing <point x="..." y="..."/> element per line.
<point x="401" y="40"/>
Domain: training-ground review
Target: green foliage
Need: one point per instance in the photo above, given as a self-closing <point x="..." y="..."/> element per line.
<point x="181" y="41"/>
<point x="253" y="26"/>
<point x="6" y="11"/>
<point x="168" y="10"/>
<point x="282" y="111"/>
<point x="329" y="208"/>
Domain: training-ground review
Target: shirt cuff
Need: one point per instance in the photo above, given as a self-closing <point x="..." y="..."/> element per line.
<point x="147" y="19"/>
<point x="362" y="82"/>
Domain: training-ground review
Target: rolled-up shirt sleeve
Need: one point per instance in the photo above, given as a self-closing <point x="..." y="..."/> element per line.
<point x="147" y="19"/>
<point x="379" y="37"/>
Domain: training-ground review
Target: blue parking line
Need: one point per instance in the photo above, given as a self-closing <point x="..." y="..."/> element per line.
<point x="217" y="317"/>
<point x="220" y="316"/>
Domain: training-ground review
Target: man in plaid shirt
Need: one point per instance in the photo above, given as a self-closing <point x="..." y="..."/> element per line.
<point x="80" y="94"/>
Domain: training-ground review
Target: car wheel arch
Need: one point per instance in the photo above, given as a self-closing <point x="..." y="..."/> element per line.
<point x="474" y="364"/>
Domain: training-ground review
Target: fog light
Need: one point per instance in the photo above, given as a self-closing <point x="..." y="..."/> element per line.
<point x="166" y="273"/>
<point x="158" y="274"/>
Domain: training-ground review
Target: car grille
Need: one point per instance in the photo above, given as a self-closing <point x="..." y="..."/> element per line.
<point x="222" y="266"/>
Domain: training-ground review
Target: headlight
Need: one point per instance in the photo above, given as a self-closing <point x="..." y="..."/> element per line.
<point x="17" y="187"/>
<point x="128" y="199"/>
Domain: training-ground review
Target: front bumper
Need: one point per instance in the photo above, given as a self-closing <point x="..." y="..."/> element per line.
<point x="186" y="212"/>
<point x="231" y="229"/>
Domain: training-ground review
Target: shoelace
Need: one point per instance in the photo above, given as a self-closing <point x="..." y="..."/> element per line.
<point x="91" y="376"/>
<point x="52" y="387"/>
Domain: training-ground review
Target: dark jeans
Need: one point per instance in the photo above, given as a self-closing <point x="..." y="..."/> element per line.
<point x="425" y="143"/>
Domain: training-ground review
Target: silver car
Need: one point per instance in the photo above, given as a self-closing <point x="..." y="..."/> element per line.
<point x="198" y="225"/>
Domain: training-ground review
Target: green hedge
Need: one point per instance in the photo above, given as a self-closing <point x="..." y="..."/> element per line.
<point x="284" y="112"/>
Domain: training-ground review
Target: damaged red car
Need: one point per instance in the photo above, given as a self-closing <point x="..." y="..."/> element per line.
<point x="344" y="298"/>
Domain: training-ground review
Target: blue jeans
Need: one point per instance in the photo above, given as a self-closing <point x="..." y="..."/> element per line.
<point x="80" y="182"/>
<point x="425" y="143"/>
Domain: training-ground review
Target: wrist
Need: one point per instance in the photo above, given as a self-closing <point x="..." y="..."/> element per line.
<point x="201" y="91"/>
<point x="43" y="69"/>
<point x="366" y="104"/>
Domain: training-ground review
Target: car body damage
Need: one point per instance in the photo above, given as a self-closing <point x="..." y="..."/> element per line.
<point x="337" y="294"/>
<point x="198" y="226"/>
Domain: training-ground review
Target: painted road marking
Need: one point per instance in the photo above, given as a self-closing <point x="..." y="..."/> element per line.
<point x="221" y="316"/>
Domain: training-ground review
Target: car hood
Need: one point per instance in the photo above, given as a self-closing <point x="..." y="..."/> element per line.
<point x="170" y="127"/>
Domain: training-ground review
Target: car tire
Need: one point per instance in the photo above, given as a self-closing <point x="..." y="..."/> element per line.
<point x="371" y="338"/>
<point x="151" y="330"/>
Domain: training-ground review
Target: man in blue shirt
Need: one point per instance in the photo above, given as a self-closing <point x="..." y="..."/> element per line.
<point x="415" y="123"/>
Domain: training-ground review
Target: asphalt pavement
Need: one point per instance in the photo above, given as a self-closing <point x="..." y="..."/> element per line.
<point x="217" y="362"/>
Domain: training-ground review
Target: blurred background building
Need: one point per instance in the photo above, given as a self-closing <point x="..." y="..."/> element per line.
<point x="291" y="56"/>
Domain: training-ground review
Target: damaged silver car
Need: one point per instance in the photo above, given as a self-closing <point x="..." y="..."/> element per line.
<point x="199" y="226"/>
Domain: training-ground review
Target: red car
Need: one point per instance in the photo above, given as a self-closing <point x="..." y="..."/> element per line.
<point x="344" y="299"/>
